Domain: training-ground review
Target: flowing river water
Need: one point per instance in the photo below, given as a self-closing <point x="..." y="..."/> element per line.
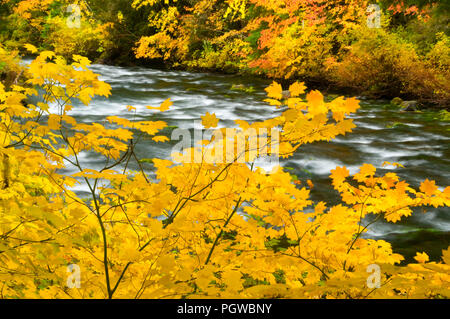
<point x="419" y="141"/>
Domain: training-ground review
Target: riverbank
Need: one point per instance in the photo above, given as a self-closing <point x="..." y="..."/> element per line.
<point x="404" y="52"/>
<point x="325" y="85"/>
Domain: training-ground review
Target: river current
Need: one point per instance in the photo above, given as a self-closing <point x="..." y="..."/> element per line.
<point x="419" y="141"/>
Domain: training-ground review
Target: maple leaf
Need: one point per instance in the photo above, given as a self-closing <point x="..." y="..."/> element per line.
<point x="291" y="115"/>
<point x="209" y="120"/>
<point x="242" y="124"/>
<point x="80" y="60"/>
<point x="54" y="122"/>
<point x="161" y="138"/>
<point x="339" y="174"/>
<point x="320" y="208"/>
<point x="367" y="170"/>
<point x="364" y="171"/>
<point x="422" y="257"/>
<point x="232" y="279"/>
<point x="316" y="104"/>
<point x="31" y="48"/>
<point x="273" y="102"/>
<point x="163" y="107"/>
<point x="275" y="91"/>
<point x="297" y="88"/>
<point x="351" y="105"/>
<point x="166" y="105"/>
<point x="446" y="255"/>
<point x="47" y="55"/>
<point x="338" y="116"/>
<point x="386" y="163"/>
<point x="428" y="187"/>
<point x="446" y="192"/>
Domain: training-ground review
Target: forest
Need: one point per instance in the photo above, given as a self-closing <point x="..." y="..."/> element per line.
<point x="231" y="149"/>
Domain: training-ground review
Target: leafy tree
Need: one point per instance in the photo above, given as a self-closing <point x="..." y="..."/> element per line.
<point x="209" y="224"/>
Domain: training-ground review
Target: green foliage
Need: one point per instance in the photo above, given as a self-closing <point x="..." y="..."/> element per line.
<point x="243" y="88"/>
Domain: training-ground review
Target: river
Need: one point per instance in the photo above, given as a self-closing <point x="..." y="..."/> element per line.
<point x="419" y="141"/>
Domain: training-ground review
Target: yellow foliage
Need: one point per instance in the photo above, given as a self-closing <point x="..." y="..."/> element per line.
<point x="209" y="120"/>
<point x="199" y="229"/>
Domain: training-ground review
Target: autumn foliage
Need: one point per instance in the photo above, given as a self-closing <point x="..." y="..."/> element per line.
<point x="191" y="230"/>
<point x="322" y="42"/>
<point x="325" y="42"/>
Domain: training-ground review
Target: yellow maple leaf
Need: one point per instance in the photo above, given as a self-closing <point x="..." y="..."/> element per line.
<point x="428" y="187"/>
<point x="297" y="88"/>
<point x="446" y="192"/>
<point x="54" y="122"/>
<point x="161" y="138"/>
<point x="366" y="173"/>
<point x="320" y="208"/>
<point x="166" y="105"/>
<point x="366" y="170"/>
<point x="47" y="55"/>
<point x="422" y="257"/>
<point x="316" y="104"/>
<point x="232" y="279"/>
<point x="339" y="174"/>
<point x="80" y="60"/>
<point x="446" y="255"/>
<point x="291" y="115"/>
<point x="275" y="91"/>
<point x="338" y="116"/>
<point x="31" y="48"/>
<point x="242" y="124"/>
<point x="386" y="163"/>
<point x="273" y="102"/>
<point x="209" y="120"/>
<point x="163" y="107"/>
<point x="351" y="105"/>
<point x="184" y="275"/>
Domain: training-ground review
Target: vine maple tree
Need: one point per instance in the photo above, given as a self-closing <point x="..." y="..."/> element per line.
<point x="214" y="228"/>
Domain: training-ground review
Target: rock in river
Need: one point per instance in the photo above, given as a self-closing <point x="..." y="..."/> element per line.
<point x="409" y="106"/>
